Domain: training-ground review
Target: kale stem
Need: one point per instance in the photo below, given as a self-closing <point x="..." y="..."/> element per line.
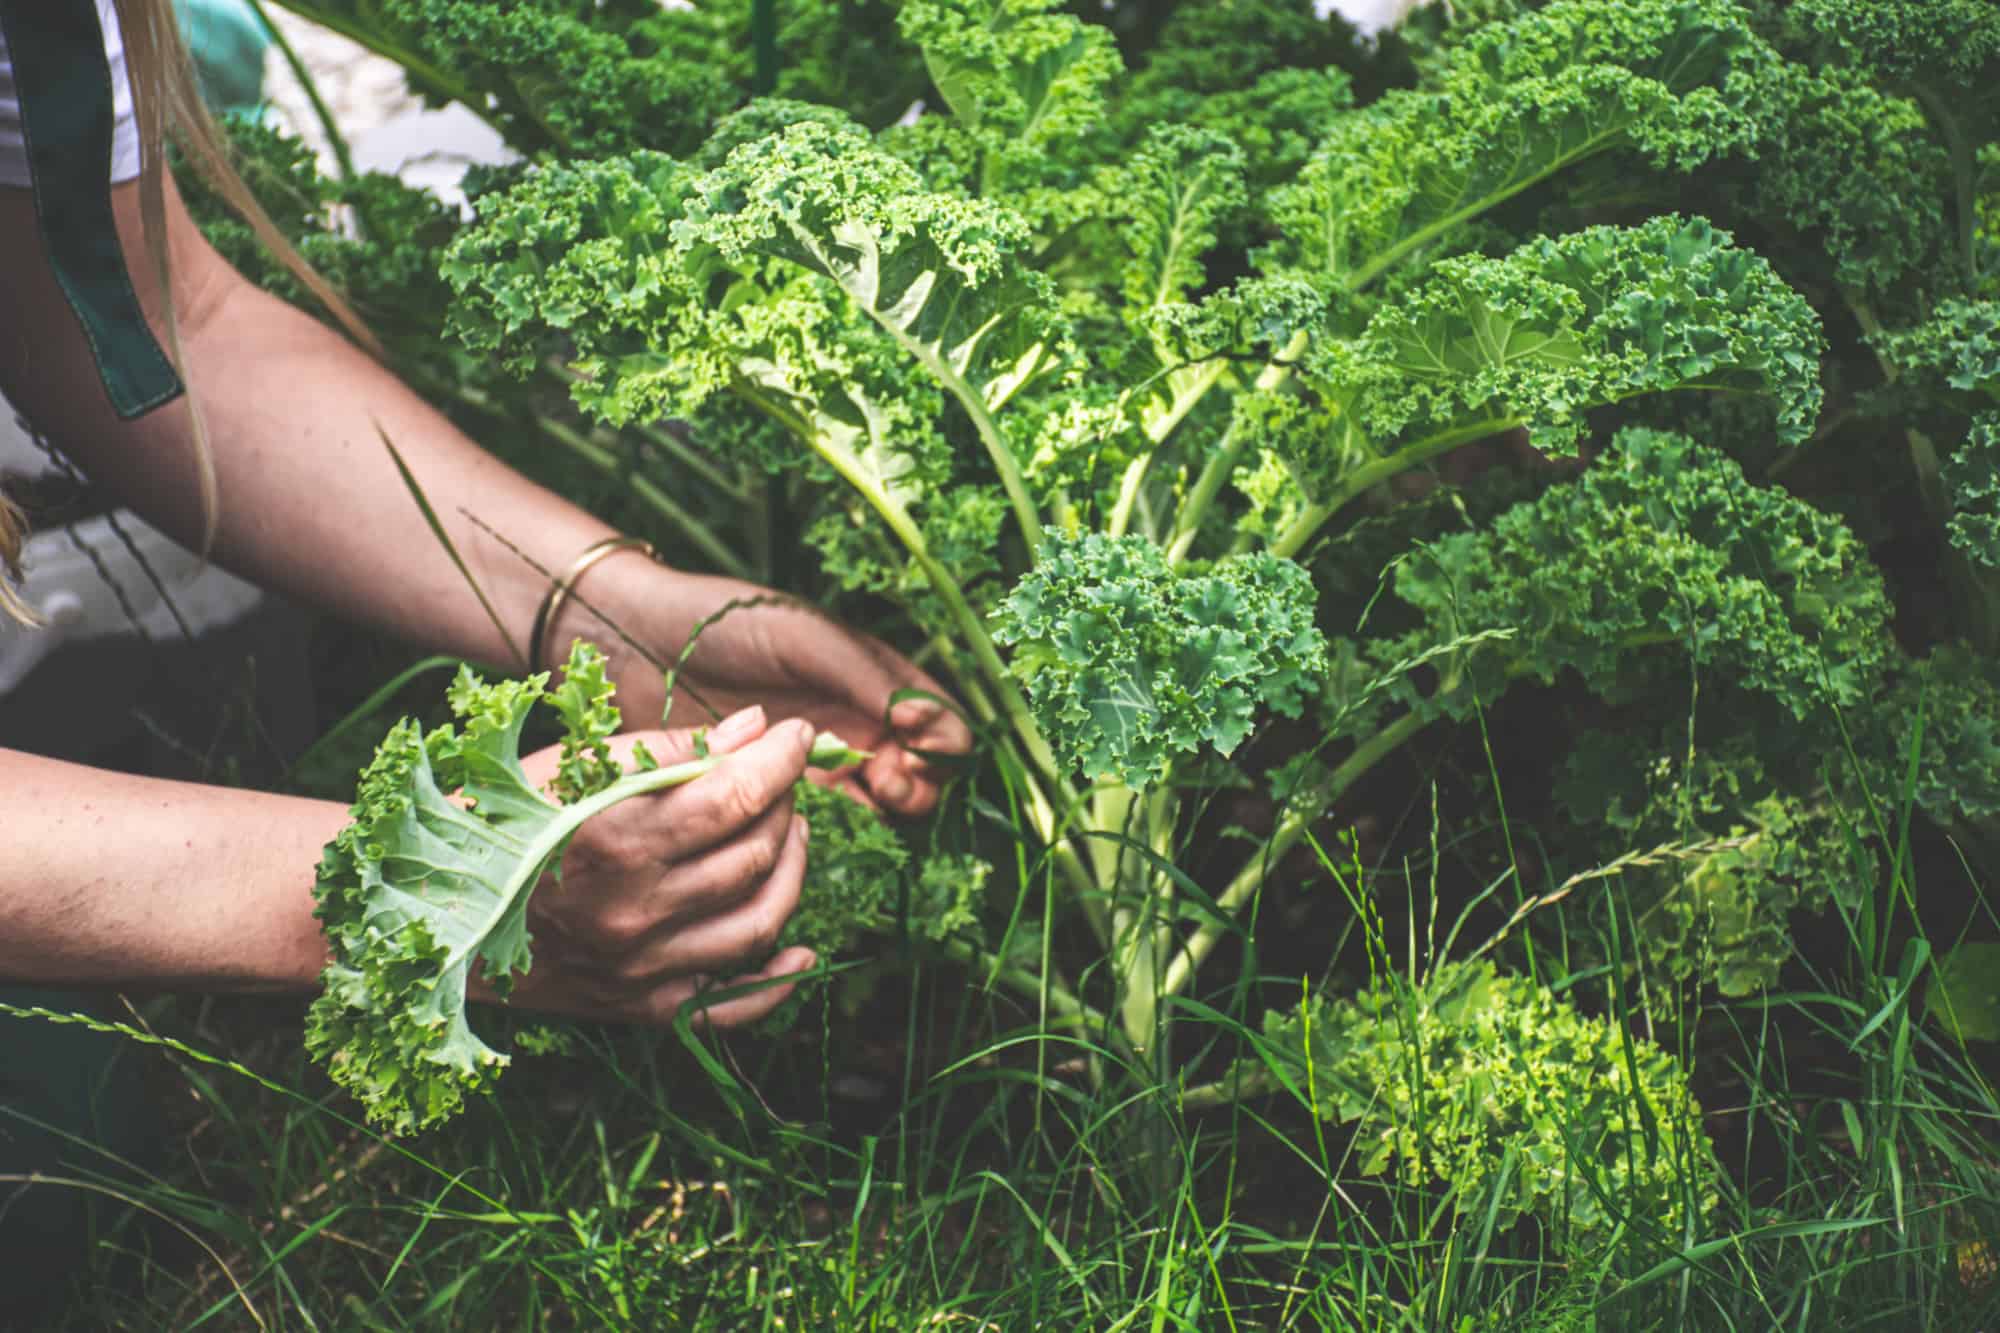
<point x="1369" y="475"/>
<point x="1222" y="461"/>
<point x="1286" y="836"/>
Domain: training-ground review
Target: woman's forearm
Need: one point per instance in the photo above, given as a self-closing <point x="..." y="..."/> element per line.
<point x="112" y="879"/>
<point x="309" y="501"/>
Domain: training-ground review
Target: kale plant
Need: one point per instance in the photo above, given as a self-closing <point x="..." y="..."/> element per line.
<point x="1113" y="367"/>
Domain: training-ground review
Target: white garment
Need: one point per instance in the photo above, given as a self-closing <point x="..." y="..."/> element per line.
<point x="124" y="139"/>
<point x="86" y="582"/>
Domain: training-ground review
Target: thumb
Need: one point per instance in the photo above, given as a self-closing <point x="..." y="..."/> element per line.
<point x="668" y="747"/>
<point x="685" y="743"/>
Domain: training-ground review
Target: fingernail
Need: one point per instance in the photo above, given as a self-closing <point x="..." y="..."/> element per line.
<point x="738" y="726"/>
<point x="803" y="829"/>
<point x="893" y="787"/>
<point x="910" y="714"/>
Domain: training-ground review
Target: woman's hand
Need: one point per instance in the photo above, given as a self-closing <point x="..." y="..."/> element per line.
<point x="787" y="657"/>
<point x="666" y="895"/>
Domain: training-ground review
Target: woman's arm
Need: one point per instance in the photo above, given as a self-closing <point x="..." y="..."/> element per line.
<point x="110" y="879"/>
<point x="311" y="505"/>
<point x="135" y="880"/>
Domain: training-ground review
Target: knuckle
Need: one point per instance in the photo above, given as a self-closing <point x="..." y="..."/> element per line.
<point x="760" y="857"/>
<point x="633" y="969"/>
<point x="617" y="845"/>
<point x="619" y="928"/>
<point x="742" y="800"/>
<point x="764" y="929"/>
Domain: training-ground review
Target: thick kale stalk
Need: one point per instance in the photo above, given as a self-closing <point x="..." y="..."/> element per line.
<point x="431" y="880"/>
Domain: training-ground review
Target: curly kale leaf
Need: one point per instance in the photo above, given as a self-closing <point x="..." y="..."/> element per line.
<point x="1661" y="543"/>
<point x="573" y="250"/>
<point x="1170" y="196"/>
<point x="1945" y="45"/>
<point x="1972" y="478"/>
<point x="1013" y="73"/>
<point x="1954" y="354"/>
<point x="1022" y="92"/>
<point x="1561" y="325"/>
<point x="961" y="528"/>
<point x="1727" y="854"/>
<point x="1129" y="664"/>
<point x="859" y="879"/>
<point x="854" y="875"/>
<point x="1447" y="1080"/>
<point x="1947" y="710"/>
<point x="1262" y="73"/>
<point x="550" y="74"/>
<point x="384" y="264"/>
<point x="1860" y="167"/>
<point x="943" y="276"/>
<point x="601" y="259"/>
<point x="1513" y="105"/>
<point x="432" y="876"/>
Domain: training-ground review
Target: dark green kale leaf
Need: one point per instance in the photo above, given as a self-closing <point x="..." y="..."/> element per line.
<point x="1129" y="664"/>
<point x="1662" y="545"/>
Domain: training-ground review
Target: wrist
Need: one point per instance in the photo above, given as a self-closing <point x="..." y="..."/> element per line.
<point x="562" y="592"/>
<point x="613" y="604"/>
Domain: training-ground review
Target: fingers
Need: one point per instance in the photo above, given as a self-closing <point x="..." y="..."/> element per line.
<point x="677" y="746"/>
<point x="898" y="776"/>
<point x="669" y="747"/>
<point x="747" y="931"/>
<point x="749" y="1008"/>
<point x="749" y="792"/>
<point x="757" y="778"/>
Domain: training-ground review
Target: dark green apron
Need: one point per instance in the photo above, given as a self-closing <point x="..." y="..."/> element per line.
<point x="63" y="80"/>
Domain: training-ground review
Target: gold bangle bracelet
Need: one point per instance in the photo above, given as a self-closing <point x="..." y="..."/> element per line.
<point x="559" y="589"/>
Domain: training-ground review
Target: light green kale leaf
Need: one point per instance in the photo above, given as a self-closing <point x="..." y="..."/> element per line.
<point x="943" y="276"/>
<point x="664" y="288"/>
<point x="431" y="879"/>
<point x="1514" y="104"/>
<point x="1450" y="1078"/>
<point x="1170" y="196"/>
<point x="1129" y="664"/>
<point x="1011" y="71"/>
<point x="1562" y="325"/>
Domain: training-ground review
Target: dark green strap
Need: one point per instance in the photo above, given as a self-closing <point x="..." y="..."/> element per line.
<point x="63" y="80"/>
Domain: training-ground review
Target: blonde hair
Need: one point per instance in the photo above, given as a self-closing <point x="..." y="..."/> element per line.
<point x="167" y="105"/>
